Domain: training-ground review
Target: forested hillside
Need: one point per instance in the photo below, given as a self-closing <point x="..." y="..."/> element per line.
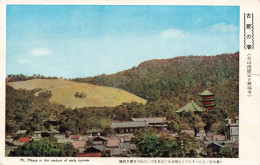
<point x="179" y="79"/>
<point x="166" y="84"/>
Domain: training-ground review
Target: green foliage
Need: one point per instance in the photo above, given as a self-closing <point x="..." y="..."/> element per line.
<point x="21" y="77"/>
<point x="179" y="79"/>
<point x="187" y="145"/>
<point x="226" y="152"/>
<point x="80" y="95"/>
<point x="150" y="145"/>
<point x="193" y="120"/>
<point x="25" y="110"/>
<point x="172" y="125"/>
<point x="44" y="148"/>
<point x="69" y="125"/>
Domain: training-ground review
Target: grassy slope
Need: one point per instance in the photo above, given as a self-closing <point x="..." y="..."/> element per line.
<point x="63" y="92"/>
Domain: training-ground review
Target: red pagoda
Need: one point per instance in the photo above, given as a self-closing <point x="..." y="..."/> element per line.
<point x="207" y="99"/>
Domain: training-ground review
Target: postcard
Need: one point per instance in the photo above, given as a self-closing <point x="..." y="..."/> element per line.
<point x="130" y="82"/>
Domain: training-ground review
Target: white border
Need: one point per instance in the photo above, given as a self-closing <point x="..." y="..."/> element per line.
<point x="249" y="108"/>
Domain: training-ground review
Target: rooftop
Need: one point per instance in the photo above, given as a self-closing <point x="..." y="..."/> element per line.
<point x="129" y="124"/>
<point x="151" y="120"/>
<point x="207" y="93"/>
<point x="24" y="139"/>
<point x="191" y="106"/>
<point x="113" y="143"/>
<point x="79" y="144"/>
<point x="74" y="137"/>
<point x="188" y="131"/>
<point x="21" y="131"/>
<point x="94" y="131"/>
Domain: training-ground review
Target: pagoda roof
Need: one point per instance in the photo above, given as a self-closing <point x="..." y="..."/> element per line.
<point x="191" y="106"/>
<point x="207" y="93"/>
<point x="94" y="131"/>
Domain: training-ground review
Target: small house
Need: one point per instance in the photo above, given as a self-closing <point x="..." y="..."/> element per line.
<point x="99" y="140"/>
<point x="93" y="132"/>
<point x="74" y="137"/>
<point x="80" y="145"/>
<point x="90" y="152"/>
<point x="113" y="143"/>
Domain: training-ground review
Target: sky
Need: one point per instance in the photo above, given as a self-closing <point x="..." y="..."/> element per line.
<point x="72" y="41"/>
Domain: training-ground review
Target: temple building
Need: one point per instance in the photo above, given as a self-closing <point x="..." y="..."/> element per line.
<point x="207" y="99"/>
<point x="191" y="106"/>
<point x="138" y="123"/>
<point x="128" y="126"/>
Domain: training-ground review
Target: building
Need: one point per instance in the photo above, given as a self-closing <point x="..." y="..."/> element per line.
<point x="80" y="145"/>
<point x="113" y="143"/>
<point x="49" y="132"/>
<point x="128" y="126"/>
<point x="23" y="140"/>
<point x="93" y="132"/>
<point x="158" y="122"/>
<point x="191" y="106"/>
<point x="74" y="137"/>
<point x="90" y="152"/>
<point x="10" y="145"/>
<point x="207" y="99"/>
<point x="21" y="132"/>
<point x="232" y="129"/>
<point x="189" y="132"/>
<point x="100" y="140"/>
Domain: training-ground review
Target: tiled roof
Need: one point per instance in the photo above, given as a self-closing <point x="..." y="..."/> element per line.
<point x="125" y="145"/>
<point x="191" y="106"/>
<point x="83" y="137"/>
<point x="188" y="131"/>
<point x="129" y="124"/>
<point x="151" y="120"/>
<point x="94" y="131"/>
<point x="99" y="147"/>
<point x="113" y="143"/>
<point x="74" y="137"/>
<point x="93" y="154"/>
<point x="219" y="137"/>
<point x="62" y="141"/>
<point x="79" y="144"/>
<point x="24" y="139"/>
<point x="207" y="93"/>
<point x="60" y="136"/>
<point x="21" y="131"/>
<point x="100" y="138"/>
<point x="117" y="151"/>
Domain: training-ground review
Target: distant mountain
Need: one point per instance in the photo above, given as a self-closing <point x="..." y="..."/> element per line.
<point x="74" y="94"/>
<point x="179" y="79"/>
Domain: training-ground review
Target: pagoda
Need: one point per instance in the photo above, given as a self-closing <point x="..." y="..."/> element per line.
<point x="191" y="106"/>
<point x="207" y="99"/>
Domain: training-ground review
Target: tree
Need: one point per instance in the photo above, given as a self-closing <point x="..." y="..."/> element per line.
<point x="147" y="144"/>
<point x="226" y="152"/>
<point x="44" y="148"/>
<point x="150" y="145"/>
<point x="195" y="121"/>
<point x="187" y="145"/>
<point x="69" y="125"/>
<point x="172" y="125"/>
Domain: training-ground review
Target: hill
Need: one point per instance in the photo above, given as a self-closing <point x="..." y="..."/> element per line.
<point x="64" y="91"/>
<point x="179" y="79"/>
